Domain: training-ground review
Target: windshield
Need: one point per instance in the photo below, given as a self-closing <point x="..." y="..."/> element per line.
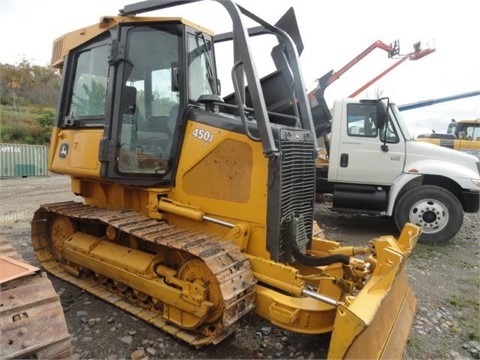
<point x="395" y="114"/>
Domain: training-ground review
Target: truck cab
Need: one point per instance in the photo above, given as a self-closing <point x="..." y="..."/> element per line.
<point x="373" y="165"/>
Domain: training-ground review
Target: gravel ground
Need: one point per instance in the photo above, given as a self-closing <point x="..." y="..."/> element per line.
<point x="446" y="280"/>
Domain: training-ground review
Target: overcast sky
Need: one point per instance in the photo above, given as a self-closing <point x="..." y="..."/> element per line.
<point x="333" y="32"/>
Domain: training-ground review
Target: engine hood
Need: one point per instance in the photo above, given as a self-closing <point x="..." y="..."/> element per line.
<point x="426" y="158"/>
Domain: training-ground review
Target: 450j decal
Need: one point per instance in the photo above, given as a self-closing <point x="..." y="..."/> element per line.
<point x="204" y="135"/>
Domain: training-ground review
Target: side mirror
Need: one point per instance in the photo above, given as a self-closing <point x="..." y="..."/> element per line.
<point x="175" y="86"/>
<point x="382" y="119"/>
<point x="382" y="115"/>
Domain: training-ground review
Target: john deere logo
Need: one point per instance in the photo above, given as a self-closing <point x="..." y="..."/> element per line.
<point x="63" y="151"/>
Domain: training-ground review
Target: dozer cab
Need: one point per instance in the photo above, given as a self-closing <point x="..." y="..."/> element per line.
<point x="198" y="209"/>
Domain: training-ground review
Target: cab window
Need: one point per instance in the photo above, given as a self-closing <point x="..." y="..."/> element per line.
<point x="89" y="92"/>
<point x="361" y="120"/>
<point x="200" y="74"/>
<point x="390" y="134"/>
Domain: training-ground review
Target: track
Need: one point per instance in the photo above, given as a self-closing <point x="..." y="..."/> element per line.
<point x="203" y="253"/>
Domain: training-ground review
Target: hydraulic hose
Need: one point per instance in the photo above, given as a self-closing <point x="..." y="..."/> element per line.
<point x="311" y="260"/>
<point x="297" y="232"/>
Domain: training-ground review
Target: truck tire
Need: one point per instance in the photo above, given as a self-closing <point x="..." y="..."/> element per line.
<point x="436" y="210"/>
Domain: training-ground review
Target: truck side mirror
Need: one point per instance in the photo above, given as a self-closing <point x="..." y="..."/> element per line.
<point x="382" y="119"/>
<point x="382" y="114"/>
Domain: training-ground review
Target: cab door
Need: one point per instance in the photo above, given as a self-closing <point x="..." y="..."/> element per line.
<point x="362" y="156"/>
<point x="138" y="145"/>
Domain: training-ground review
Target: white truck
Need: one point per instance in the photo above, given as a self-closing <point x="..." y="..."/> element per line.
<point x="371" y="164"/>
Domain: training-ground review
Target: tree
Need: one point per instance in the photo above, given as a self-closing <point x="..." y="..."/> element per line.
<point x="27" y="98"/>
<point x="46" y="119"/>
<point x="27" y="84"/>
<point x="8" y="84"/>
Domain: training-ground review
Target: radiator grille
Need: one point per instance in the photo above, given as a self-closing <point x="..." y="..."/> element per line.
<point x="297" y="185"/>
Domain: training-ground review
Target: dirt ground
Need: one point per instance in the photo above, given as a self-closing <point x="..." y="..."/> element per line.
<point x="445" y="279"/>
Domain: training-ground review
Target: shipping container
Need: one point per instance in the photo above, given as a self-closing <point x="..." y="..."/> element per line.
<point x="23" y="160"/>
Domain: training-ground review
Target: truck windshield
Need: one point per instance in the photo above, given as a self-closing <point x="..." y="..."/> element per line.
<point x="395" y="114"/>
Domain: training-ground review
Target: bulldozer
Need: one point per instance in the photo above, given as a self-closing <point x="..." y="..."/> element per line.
<point x="198" y="209"/>
<point x="462" y="135"/>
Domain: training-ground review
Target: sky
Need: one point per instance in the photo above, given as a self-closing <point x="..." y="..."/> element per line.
<point x="333" y="33"/>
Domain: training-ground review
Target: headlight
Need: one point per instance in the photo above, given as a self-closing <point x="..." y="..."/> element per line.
<point x="476" y="182"/>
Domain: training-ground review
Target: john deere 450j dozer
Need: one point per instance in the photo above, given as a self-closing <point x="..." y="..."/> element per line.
<point x="198" y="209"/>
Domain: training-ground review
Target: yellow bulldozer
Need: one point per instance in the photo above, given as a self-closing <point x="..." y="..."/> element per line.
<point x="197" y="208"/>
<point x="461" y="135"/>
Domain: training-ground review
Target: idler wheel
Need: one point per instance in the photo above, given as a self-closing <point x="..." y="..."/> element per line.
<point x="197" y="272"/>
<point x="61" y="229"/>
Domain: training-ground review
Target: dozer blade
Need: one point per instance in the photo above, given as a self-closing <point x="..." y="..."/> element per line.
<point x="375" y="324"/>
<point x="32" y="323"/>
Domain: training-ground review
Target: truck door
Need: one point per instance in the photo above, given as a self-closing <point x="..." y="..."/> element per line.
<point x="359" y="156"/>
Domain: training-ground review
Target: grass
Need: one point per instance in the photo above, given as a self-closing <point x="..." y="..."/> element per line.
<point x="9" y="112"/>
<point x="415" y="345"/>
<point x="25" y="124"/>
<point x="469" y="304"/>
<point x="459" y="301"/>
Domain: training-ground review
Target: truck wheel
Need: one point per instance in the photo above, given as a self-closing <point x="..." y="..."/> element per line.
<point x="435" y="209"/>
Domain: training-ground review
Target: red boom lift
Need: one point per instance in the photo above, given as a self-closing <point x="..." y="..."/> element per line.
<point x="393" y="51"/>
